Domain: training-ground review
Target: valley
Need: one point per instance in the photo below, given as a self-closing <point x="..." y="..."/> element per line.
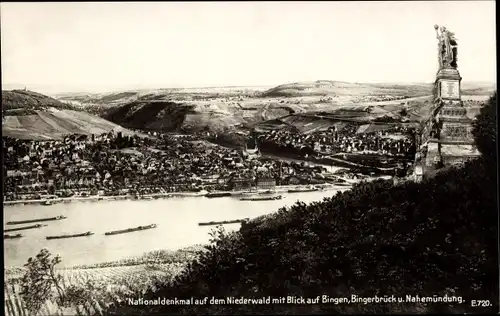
<point x="241" y="108"/>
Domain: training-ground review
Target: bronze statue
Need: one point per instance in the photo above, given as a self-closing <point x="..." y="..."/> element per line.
<point x="447" y="47"/>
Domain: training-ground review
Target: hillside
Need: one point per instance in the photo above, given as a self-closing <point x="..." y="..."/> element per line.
<point x="156" y="115"/>
<point x="436" y="238"/>
<point x="242" y="107"/>
<point x="191" y="112"/>
<point x="389" y="91"/>
<point x="339" y="88"/>
<point x="54" y="124"/>
<point x="104" y="101"/>
<point x="30" y="115"/>
<point x="19" y="102"/>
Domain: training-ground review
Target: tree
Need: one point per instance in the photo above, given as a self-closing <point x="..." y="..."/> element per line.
<point x="40" y="279"/>
<point x="485" y="129"/>
<point x="81" y="295"/>
<point x="51" y="189"/>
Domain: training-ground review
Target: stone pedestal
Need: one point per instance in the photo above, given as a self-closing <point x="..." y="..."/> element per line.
<point x="450" y="113"/>
<point x="448" y="82"/>
<point x="433" y="157"/>
<point x="453" y="125"/>
<point x="448" y="133"/>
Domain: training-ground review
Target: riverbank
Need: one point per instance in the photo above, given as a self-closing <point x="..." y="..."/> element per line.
<point x="165" y="256"/>
<point x="94" y="198"/>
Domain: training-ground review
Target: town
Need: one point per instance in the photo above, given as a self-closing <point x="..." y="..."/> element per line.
<point x="112" y="164"/>
<point x="397" y="141"/>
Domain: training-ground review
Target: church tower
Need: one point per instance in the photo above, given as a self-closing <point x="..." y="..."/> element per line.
<point x="254" y="152"/>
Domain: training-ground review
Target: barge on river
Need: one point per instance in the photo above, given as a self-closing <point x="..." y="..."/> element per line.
<point x="306" y="189"/>
<point x="217" y="194"/>
<point x="261" y="198"/>
<point x="24" y="228"/>
<point x="12" y="236"/>
<point x="224" y="222"/>
<point x="57" y="218"/>
<point x="130" y="230"/>
<point x="71" y="236"/>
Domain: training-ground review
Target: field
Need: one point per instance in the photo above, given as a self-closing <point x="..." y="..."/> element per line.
<point x="31" y="115"/>
<point x="113" y="281"/>
<point x="319" y="118"/>
<point x="219" y="109"/>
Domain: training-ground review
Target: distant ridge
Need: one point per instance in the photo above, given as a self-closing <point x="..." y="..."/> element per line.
<point x="221" y="108"/>
<point x="335" y="88"/>
<point x="66" y="90"/>
<point x="14" y="101"/>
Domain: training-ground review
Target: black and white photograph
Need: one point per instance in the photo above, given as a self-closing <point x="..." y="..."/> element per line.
<point x="249" y="158"/>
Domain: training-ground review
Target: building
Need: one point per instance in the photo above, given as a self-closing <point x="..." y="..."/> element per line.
<point x="237" y="183"/>
<point x="266" y="183"/>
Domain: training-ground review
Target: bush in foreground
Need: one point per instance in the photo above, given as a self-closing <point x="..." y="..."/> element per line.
<point x="438" y="237"/>
<point x="485" y="130"/>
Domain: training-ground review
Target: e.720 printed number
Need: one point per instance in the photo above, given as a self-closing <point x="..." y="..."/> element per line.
<point x="480" y="303"/>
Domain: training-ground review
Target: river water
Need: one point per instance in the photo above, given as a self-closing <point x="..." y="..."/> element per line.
<point x="177" y="220"/>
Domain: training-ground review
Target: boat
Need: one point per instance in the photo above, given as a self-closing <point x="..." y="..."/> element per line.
<point x="267" y="192"/>
<point x="130" y="230"/>
<point x="261" y="198"/>
<point x="47" y="202"/>
<point x="217" y="194"/>
<point x="12" y="236"/>
<point x="302" y="190"/>
<point x="24" y="228"/>
<point x="36" y="220"/>
<point x="223" y="222"/>
<point x="306" y="189"/>
<point x="71" y="236"/>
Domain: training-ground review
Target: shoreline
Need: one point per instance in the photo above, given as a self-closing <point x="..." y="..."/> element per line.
<point x="278" y="189"/>
<point x="160" y="256"/>
<point x="95" y="198"/>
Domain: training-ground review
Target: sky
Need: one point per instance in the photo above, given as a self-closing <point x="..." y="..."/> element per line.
<point x="104" y="46"/>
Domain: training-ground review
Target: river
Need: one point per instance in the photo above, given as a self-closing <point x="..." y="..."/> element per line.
<point x="177" y="220"/>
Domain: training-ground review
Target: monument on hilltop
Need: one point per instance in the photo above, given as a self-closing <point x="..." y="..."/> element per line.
<point x="447" y="136"/>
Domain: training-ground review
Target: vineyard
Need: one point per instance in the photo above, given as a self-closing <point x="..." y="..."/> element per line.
<point x="111" y="282"/>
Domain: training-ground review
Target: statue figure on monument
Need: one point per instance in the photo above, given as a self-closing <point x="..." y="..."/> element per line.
<point x="447" y="47"/>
